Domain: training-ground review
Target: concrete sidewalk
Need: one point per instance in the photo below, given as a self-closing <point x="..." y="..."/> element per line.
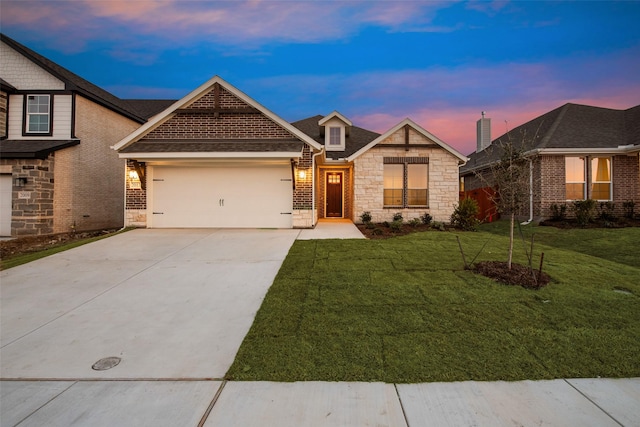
<point x="562" y="403"/>
<point x="332" y="229"/>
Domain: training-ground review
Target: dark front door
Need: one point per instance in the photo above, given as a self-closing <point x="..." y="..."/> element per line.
<point x="334" y="195"/>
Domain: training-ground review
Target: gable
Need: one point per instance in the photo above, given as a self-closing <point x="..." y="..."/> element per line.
<point x="214" y="118"/>
<point x="407" y="136"/>
<point x="218" y="114"/>
<point x="23" y="74"/>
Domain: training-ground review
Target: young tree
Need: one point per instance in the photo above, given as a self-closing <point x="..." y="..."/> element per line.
<point x="511" y="181"/>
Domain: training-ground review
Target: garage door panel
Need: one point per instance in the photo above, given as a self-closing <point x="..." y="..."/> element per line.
<point x="222" y="196"/>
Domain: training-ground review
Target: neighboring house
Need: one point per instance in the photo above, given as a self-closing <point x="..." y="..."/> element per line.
<point x="577" y="152"/>
<point x="217" y="158"/>
<point x="57" y="171"/>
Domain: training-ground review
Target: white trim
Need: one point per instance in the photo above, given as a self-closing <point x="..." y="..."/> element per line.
<point x="208" y="155"/>
<point x="335" y="114"/>
<point x="623" y="149"/>
<point x="162" y="117"/>
<point x="463" y="159"/>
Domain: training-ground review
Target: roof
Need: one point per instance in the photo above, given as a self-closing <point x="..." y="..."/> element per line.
<point x="6" y="86"/>
<point x="214" y="145"/>
<point x="74" y="82"/>
<point x="147" y="108"/>
<point x="337" y="115"/>
<point x="569" y="128"/>
<point x="169" y="112"/>
<point x="357" y="138"/>
<point x="33" y="149"/>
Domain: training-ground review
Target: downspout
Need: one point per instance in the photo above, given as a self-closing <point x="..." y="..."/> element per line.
<point x="527" y="222"/>
<point x="313" y="186"/>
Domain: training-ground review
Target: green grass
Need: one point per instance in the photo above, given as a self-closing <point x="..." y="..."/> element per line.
<point x="404" y="310"/>
<point x="14" y="261"/>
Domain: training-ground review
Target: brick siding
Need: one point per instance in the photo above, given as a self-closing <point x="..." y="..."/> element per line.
<point x="303" y="194"/>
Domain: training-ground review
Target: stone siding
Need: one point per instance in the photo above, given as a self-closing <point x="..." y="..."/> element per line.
<point x="443" y="179"/>
<point x="32" y="204"/>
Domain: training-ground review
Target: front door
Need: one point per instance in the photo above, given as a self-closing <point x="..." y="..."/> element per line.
<point x="334" y="195"/>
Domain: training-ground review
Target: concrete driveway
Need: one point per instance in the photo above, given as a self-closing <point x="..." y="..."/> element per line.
<point x="172" y="304"/>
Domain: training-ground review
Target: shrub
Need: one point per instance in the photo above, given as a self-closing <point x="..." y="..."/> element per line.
<point x="415" y="222"/>
<point x="438" y="226"/>
<point x="464" y="215"/>
<point x="370" y="225"/>
<point x="377" y="231"/>
<point x="558" y="212"/>
<point x="426" y="219"/>
<point x="584" y="210"/>
<point x="396" y="226"/>
<point x="365" y="217"/>
<point x="607" y="211"/>
<point x="397" y="217"/>
<point x="629" y="209"/>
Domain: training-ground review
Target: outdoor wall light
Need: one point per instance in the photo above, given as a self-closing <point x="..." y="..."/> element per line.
<point x="21" y="181"/>
<point x="133" y="175"/>
<point x="302" y="174"/>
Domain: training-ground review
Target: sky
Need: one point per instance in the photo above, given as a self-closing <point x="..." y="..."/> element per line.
<point x="440" y="63"/>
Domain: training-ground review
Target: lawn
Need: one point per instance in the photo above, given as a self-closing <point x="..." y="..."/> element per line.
<point x="404" y="310"/>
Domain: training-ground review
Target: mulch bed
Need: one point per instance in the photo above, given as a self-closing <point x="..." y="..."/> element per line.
<point x="382" y="231"/>
<point x="519" y="275"/>
<point x="29" y="244"/>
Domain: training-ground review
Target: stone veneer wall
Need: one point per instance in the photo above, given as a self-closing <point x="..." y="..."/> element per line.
<point x="368" y="183"/>
<point x="32" y="204"/>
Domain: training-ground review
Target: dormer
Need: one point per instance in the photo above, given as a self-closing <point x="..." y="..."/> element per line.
<point x="335" y="128"/>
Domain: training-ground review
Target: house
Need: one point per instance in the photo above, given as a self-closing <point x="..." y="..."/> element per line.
<point x="217" y="158"/>
<point x="57" y="171"/>
<point x="577" y="152"/>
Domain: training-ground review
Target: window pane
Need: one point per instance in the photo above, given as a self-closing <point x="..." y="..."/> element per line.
<point x="574" y="167"/>
<point x="38" y="113"/>
<point x="334" y="136"/>
<point x="393" y="185"/>
<point x="600" y="169"/>
<point x="417" y="184"/>
<point x="575" y="191"/>
<point x="417" y="197"/>
<point x="392" y="197"/>
<point x="601" y="191"/>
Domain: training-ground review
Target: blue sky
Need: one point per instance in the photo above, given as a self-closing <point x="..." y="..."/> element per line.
<point x="438" y="62"/>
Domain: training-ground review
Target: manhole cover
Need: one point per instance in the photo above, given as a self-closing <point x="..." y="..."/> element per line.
<point x="106" y="363"/>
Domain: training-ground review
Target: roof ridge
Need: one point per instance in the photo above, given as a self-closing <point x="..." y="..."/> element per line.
<point x="545" y="140"/>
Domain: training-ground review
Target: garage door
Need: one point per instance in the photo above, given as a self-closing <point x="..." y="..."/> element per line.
<point x="5" y="205"/>
<point x="221" y="196"/>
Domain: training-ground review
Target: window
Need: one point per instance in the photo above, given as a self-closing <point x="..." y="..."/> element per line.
<point x="334" y="136"/>
<point x="416" y="185"/>
<point x="406" y="181"/>
<point x="38" y="117"/>
<point x="601" y="178"/>
<point x="574" y="178"/>
<point x="393" y="185"/>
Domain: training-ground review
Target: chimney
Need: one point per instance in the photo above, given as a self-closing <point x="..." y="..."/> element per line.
<point x="483" y="133"/>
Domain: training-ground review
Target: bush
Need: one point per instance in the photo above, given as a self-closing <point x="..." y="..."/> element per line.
<point x="464" y="215"/>
<point x="396" y="226"/>
<point x="414" y="222"/>
<point x="607" y="212"/>
<point x="426" y="219"/>
<point x="584" y="210"/>
<point x="377" y="231"/>
<point x="558" y="212"/>
<point x="629" y="209"/>
<point x="397" y="217"/>
<point x="438" y="226"/>
<point x="365" y="217"/>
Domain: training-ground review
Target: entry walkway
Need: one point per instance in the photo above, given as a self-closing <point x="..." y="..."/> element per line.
<point x="331" y="229"/>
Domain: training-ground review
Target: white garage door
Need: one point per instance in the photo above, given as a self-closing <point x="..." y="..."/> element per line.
<point x="5" y="205"/>
<point x="221" y="196"/>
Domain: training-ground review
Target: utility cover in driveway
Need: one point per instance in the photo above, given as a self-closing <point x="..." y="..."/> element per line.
<point x="253" y="196"/>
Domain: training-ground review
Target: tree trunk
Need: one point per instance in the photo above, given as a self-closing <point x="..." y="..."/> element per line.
<point x="511" y="227"/>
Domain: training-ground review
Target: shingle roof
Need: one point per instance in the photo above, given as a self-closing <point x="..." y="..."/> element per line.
<point x="571" y="126"/>
<point x="215" y="145"/>
<point x="147" y="108"/>
<point x="357" y="138"/>
<point x="6" y="86"/>
<point x="33" y="149"/>
<point x="74" y="82"/>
